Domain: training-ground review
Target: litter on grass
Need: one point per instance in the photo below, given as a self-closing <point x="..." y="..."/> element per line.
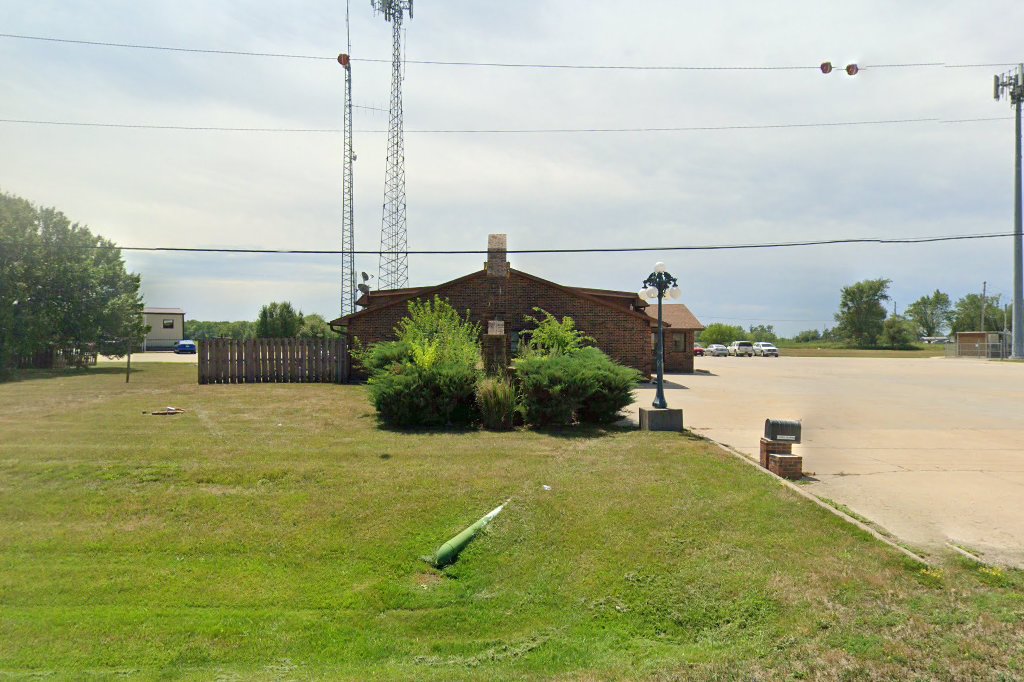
<point x="166" y="411"/>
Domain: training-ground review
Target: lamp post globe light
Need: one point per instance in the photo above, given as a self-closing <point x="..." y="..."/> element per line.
<point x="655" y="286"/>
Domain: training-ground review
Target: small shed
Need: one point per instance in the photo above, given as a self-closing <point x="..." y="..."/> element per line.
<point x="166" y="328"/>
<point x="993" y="345"/>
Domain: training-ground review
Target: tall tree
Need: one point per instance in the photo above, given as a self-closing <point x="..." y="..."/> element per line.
<point x="315" y="327"/>
<point x="898" y="332"/>
<point x="203" y="329"/>
<point x="762" y="332"/>
<point x="59" y="283"/>
<point x="931" y="314"/>
<point x="278" y="321"/>
<point x="807" y="336"/>
<point x="861" y="312"/>
<point x="722" y="333"/>
<point x="966" y="316"/>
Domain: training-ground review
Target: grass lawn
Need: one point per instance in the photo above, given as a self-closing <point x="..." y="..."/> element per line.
<point x="274" y="532"/>
<point x="825" y="350"/>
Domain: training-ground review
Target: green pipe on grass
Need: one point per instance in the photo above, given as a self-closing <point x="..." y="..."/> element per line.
<point x="449" y="551"/>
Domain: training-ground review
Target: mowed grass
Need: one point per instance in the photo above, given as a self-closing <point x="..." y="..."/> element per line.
<point x="274" y="532"/>
<point x="811" y="351"/>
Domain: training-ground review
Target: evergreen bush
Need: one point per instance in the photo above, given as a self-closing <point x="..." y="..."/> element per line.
<point x="408" y="395"/>
<point x="613" y="387"/>
<point x="585" y="386"/>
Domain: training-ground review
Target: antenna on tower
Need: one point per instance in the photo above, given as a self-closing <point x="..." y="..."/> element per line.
<point x="348" y="237"/>
<point x="394" y="257"/>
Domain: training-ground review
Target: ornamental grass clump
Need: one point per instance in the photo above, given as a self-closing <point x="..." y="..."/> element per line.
<point x="497" y="400"/>
<point x="428" y="376"/>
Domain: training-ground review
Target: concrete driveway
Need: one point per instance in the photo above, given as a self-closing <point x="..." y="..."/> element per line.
<point x="931" y="449"/>
<point x="154" y="356"/>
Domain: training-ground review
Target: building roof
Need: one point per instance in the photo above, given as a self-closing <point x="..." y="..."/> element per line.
<point x="675" y="315"/>
<point x="164" y="311"/>
<point x="397" y="296"/>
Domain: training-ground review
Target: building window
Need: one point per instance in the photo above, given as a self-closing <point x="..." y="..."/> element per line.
<point x="514" y="342"/>
<point x="679" y="343"/>
<point x="169" y="323"/>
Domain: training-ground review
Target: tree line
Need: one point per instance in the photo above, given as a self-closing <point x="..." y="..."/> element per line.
<point x="276" y="320"/>
<point x="863" y="321"/>
<point x="61" y="287"/>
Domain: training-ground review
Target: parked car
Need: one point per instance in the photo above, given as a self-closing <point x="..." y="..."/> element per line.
<point x="716" y="350"/>
<point x="698" y="349"/>
<point x="739" y="348"/>
<point x="765" y="349"/>
<point x="185" y="346"/>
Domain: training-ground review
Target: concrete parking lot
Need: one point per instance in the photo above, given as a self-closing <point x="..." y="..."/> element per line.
<point x="153" y="356"/>
<point x="930" y="449"/>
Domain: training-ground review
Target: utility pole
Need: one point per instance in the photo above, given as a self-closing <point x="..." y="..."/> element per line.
<point x="1013" y="84"/>
<point x="983" y="293"/>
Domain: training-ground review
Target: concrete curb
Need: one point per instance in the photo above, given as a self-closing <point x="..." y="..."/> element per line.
<point x="963" y="552"/>
<point x="817" y="500"/>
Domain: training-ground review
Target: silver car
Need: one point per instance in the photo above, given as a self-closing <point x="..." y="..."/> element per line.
<point x="716" y="350"/>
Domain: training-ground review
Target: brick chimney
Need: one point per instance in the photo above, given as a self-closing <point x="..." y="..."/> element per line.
<point x="497" y="253"/>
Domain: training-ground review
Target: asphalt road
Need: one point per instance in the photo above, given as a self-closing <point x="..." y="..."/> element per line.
<point x="931" y="449"/>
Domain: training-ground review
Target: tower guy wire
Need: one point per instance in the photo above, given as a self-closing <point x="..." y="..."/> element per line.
<point x="393" y="268"/>
<point x="1012" y="84"/>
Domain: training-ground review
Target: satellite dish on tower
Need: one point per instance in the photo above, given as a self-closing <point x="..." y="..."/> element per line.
<point x="366" y="278"/>
<point x="363" y="288"/>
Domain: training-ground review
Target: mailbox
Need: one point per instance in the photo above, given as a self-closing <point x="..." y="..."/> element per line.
<point x="782" y="430"/>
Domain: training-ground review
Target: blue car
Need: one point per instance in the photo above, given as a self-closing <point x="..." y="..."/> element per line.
<point x="185" y="346"/>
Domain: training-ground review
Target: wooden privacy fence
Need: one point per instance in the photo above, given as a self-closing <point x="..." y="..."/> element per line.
<point x="262" y="361"/>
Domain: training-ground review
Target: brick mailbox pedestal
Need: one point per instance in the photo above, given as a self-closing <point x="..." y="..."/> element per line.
<point x="778" y="458"/>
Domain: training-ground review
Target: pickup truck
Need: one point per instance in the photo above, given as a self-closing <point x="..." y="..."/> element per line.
<point x="739" y="348"/>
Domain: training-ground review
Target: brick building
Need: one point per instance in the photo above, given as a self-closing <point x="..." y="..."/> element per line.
<point x="499" y="293"/>
<point x="681" y="327"/>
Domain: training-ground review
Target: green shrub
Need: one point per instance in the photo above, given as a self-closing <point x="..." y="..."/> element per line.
<point x="498" y="402"/>
<point x="551" y="336"/>
<point x="585" y="386"/>
<point x="898" y="332"/>
<point x="436" y="323"/>
<point x="408" y="395"/>
<point x="553" y="389"/>
<point x="428" y="376"/>
<point x="380" y="356"/>
<point x="613" y="387"/>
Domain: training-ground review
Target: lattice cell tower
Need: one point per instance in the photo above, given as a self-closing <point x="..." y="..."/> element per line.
<point x="348" y="240"/>
<point x="394" y="257"/>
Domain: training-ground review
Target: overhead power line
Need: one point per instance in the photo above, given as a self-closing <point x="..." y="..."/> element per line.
<point x="495" y="131"/>
<point x="507" y="65"/>
<point x="758" y="319"/>
<point x="627" y="249"/>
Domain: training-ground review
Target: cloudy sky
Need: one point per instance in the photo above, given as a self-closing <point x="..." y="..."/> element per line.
<point x="144" y="187"/>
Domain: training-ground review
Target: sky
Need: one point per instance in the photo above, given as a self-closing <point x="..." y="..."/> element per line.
<point x="143" y="187"/>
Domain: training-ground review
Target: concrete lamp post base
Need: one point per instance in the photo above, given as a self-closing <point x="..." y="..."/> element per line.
<point x="668" y="419"/>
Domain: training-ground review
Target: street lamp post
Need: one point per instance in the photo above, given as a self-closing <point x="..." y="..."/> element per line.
<point x="655" y="286"/>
